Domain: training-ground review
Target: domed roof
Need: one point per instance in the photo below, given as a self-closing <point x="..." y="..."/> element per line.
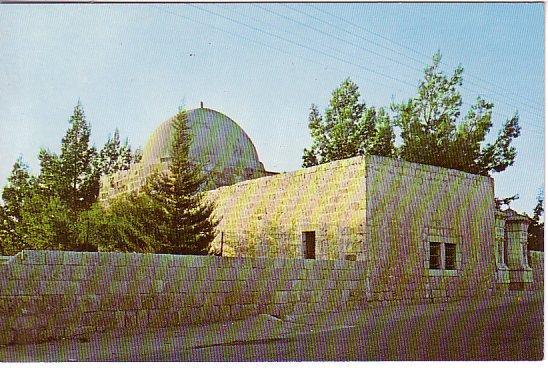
<point x="217" y="142"/>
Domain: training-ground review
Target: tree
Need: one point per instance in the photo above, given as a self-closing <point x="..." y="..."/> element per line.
<point x="73" y="175"/>
<point x="184" y="219"/>
<point x="432" y="133"/>
<point x="47" y="223"/>
<point x="536" y="228"/>
<point x="115" y="156"/>
<point x="137" y="155"/>
<point x="499" y="202"/>
<point x="349" y="128"/>
<point x="126" y="225"/>
<point x="14" y="196"/>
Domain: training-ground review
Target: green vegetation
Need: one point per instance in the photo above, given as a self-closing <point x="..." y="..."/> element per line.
<point x="58" y="209"/>
<point x="169" y="216"/>
<point x="44" y="211"/>
<point x="536" y="228"/>
<point x="349" y="128"/>
<point x="431" y="128"/>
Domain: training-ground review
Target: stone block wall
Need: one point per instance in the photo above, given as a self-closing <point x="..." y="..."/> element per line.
<point x="379" y="210"/>
<point x="51" y="294"/>
<point x="410" y="205"/>
<point x="267" y="216"/>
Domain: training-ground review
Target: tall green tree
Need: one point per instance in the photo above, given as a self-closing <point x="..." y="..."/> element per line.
<point x="14" y="196"/>
<point x="536" y="228"/>
<point x="73" y="175"/>
<point x="184" y="218"/>
<point x="434" y="133"/>
<point x="115" y="156"/>
<point x="348" y="128"/>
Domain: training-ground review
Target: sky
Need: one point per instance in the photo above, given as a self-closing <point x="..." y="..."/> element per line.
<point x="263" y="65"/>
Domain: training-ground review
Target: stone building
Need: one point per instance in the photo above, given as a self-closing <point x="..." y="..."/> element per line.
<point x="404" y="220"/>
<point x="222" y="148"/>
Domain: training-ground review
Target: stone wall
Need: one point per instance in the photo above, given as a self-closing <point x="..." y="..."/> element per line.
<point x="410" y="205"/>
<point x="50" y="294"/>
<point x="379" y="210"/>
<point x="266" y="216"/>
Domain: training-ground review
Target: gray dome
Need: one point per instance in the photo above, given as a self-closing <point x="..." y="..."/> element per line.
<point x="218" y="143"/>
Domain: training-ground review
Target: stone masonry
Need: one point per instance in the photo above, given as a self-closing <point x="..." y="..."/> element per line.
<point x="382" y="211"/>
<point x="51" y="294"/>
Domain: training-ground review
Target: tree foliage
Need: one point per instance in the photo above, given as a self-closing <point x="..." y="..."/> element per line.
<point x="73" y="175"/>
<point x="433" y="132"/>
<point x="169" y="216"/>
<point x="14" y="196"/>
<point x="185" y="224"/>
<point x="115" y="156"/>
<point x="43" y="212"/>
<point x="431" y="127"/>
<point x="536" y="228"/>
<point x="348" y="128"/>
<point x="126" y="225"/>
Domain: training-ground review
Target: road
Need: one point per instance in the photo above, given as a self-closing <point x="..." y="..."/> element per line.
<point x="504" y="328"/>
<point x="451" y="332"/>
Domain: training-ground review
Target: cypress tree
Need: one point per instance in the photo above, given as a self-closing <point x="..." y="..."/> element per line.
<point x="185" y="224"/>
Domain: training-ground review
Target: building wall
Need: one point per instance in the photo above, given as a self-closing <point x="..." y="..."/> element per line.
<point x="135" y="178"/>
<point x="266" y="216"/>
<point x="411" y="205"/>
<point x="383" y="211"/>
<point x="48" y="295"/>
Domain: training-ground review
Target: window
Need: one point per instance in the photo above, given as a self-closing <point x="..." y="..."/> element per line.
<point x="443" y="257"/>
<point x="450" y="256"/>
<point x="435" y="256"/>
<point x="309" y="244"/>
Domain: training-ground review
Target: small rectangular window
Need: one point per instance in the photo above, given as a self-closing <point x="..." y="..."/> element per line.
<point x="309" y="244"/>
<point x="435" y="256"/>
<point x="450" y="256"/>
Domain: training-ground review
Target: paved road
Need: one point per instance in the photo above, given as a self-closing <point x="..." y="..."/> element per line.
<point x="509" y="328"/>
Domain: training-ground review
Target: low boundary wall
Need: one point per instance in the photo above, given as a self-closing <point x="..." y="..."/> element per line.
<point x="48" y="295"/>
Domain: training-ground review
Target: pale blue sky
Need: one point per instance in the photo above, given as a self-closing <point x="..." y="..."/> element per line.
<point x="262" y="65"/>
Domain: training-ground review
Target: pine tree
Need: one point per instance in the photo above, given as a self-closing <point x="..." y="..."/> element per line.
<point x="115" y="156"/>
<point x="73" y="175"/>
<point x="349" y="128"/>
<point x="185" y="224"/>
<point x="14" y="196"/>
<point x="432" y="134"/>
<point x="536" y="228"/>
<point x="18" y="189"/>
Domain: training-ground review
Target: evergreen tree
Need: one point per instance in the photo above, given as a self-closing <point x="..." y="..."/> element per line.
<point x="73" y="175"/>
<point x="536" y="228"/>
<point x="19" y="186"/>
<point x="184" y="221"/>
<point x="432" y="133"/>
<point x="14" y="196"/>
<point x="137" y="155"/>
<point x="349" y="128"/>
<point x="115" y="156"/>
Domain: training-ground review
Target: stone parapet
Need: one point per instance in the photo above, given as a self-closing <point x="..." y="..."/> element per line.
<point x="51" y="294"/>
